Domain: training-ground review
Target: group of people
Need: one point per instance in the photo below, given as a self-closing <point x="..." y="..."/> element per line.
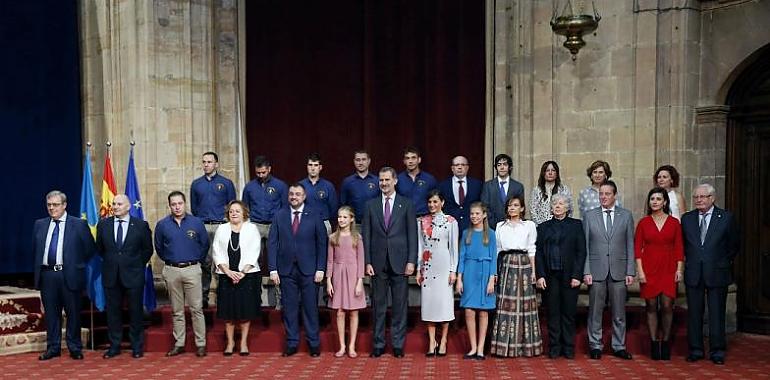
<point x="460" y="236"/>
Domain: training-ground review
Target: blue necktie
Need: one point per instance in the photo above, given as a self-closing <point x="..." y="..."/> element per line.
<point x="502" y="191"/>
<point x="119" y="238"/>
<point x="54" y="244"/>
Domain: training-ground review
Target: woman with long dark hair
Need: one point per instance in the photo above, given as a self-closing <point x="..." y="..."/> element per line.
<point x="548" y="184"/>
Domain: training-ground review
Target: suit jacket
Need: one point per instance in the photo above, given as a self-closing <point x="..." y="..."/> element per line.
<point x="472" y="194"/>
<point x="611" y="252"/>
<point x="77" y="248"/>
<point x="128" y="262"/>
<point x="398" y="243"/>
<point x="571" y="243"/>
<point x="490" y="195"/>
<point x="307" y="248"/>
<point x="713" y="259"/>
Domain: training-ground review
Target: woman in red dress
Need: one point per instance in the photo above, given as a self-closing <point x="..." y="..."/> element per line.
<point x="659" y="258"/>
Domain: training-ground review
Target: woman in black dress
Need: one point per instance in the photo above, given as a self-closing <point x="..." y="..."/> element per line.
<point x="236" y="252"/>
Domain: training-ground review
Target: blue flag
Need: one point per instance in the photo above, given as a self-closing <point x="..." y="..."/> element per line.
<point x="132" y="192"/>
<point x="90" y="213"/>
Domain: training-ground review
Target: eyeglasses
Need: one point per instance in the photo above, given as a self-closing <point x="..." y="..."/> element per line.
<point x="701" y="196"/>
<point x="459" y="164"/>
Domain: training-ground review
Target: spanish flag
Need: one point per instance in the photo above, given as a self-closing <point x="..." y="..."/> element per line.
<point x="109" y="190"/>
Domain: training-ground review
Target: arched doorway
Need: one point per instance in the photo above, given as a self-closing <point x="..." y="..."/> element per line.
<point x="748" y="185"/>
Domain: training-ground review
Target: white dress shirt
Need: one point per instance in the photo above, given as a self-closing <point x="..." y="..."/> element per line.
<point x="125" y="220"/>
<point x="59" y="243"/>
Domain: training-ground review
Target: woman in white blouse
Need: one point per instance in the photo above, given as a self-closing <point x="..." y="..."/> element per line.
<point x="516" y="330"/>
<point x="236" y="252"/>
<point x="667" y="177"/>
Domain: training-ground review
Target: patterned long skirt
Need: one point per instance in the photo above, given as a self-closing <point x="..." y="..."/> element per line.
<point x="516" y="329"/>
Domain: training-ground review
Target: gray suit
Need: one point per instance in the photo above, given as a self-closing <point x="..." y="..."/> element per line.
<point x="490" y="196"/>
<point x="388" y="249"/>
<point x="609" y="260"/>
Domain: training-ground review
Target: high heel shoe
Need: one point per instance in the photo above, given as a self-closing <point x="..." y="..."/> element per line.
<point x="433" y="352"/>
<point x="244" y="351"/>
<point x="230" y="352"/>
<point x="441" y="354"/>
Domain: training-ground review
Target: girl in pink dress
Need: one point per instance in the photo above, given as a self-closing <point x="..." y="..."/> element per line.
<point x="345" y="266"/>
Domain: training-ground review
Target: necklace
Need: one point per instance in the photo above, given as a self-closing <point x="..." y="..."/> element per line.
<point x="235" y="248"/>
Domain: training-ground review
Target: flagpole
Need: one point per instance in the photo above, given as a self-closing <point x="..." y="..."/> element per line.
<point x="91" y="304"/>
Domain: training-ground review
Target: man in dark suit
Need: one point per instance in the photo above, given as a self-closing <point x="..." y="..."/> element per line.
<point x="297" y="261"/>
<point x="62" y="246"/>
<point x="460" y="191"/>
<point x="389" y="230"/>
<point x="711" y="242"/>
<point x="125" y="244"/>
<point x="560" y="260"/>
<point x="609" y="268"/>
<point x="497" y="191"/>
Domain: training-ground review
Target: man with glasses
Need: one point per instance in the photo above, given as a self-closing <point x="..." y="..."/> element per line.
<point x="711" y="242"/>
<point x="460" y="191"/>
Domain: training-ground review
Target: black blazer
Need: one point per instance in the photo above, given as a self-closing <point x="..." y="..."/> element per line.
<point x="713" y="259"/>
<point x="131" y="259"/>
<point x="472" y="194"/>
<point x="490" y="195"/>
<point x="572" y="248"/>
<point x="397" y="244"/>
<point x="77" y="249"/>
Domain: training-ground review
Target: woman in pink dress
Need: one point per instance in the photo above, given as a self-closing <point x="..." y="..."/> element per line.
<point x="345" y="266"/>
<point x="660" y="261"/>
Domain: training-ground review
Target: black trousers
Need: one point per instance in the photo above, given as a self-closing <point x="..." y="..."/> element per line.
<point x="561" y="300"/>
<point x="114" y="300"/>
<point x="717" y="299"/>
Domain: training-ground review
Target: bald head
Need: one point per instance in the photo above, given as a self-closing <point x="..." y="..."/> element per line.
<point x="120" y="205"/>
<point x="460" y="166"/>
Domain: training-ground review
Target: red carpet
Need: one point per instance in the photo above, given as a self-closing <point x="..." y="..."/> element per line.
<point x="748" y="358"/>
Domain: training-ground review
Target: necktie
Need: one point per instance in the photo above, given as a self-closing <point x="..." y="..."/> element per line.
<point x="502" y="191"/>
<point x="54" y="244"/>
<point x="461" y="192"/>
<point x="119" y="238"/>
<point x="295" y="223"/>
<point x="703" y="227"/>
<point x="609" y="220"/>
<point x="386" y="214"/>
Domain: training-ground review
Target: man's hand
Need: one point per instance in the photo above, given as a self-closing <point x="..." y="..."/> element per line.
<point x="319" y="276"/>
<point x="274" y="277"/>
<point x="574" y="283"/>
<point x="629" y="280"/>
<point x="541" y="283"/>
<point x="588" y="279"/>
<point x="369" y="270"/>
<point x="409" y="270"/>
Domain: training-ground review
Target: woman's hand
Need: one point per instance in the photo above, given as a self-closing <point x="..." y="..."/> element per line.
<point x="459" y="285"/>
<point x="678" y="276"/>
<point x="452" y="278"/>
<point x="641" y="277"/>
<point x="359" y="288"/>
<point x="329" y="287"/>
<point x="491" y="285"/>
<point x="418" y="277"/>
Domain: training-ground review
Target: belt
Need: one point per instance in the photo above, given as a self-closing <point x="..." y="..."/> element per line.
<point x="183" y="265"/>
<point x="215" y="222"/>
<point x="513" y="252"/>
<point x="52" y="268"/>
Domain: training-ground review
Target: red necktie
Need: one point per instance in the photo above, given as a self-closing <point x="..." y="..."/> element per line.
<point x="295" y="223"/>
<point x="461" y="192"/>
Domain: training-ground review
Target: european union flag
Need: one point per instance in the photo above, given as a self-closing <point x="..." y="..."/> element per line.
<point x="132" y="192"/>
<point x="88" y="211"/>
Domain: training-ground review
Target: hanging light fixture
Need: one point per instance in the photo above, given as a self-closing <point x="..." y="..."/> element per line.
<point x="574" y="26"/>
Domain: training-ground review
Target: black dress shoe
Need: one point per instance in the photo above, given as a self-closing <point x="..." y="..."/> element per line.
<point x="376" y="353"/>
<point x="289" y="351"/>
<point x="694" y="358"/>
<point x="48" y="355"/>
<point x="623" y="354"/>
<point x="398" y="352"/>
<point x="481" y="357"/>
<point x="76" y="355"/>
<point x="718" y="360"/>
<point x="569" y="355"/>
<point x="315" y="352"/>
<point x="175" y="351"/>
<point x="553" y="354"/>
<point x="137" y="354"/>
<point x="595" y="353"/>
<point x="200" y="352"/>
<point x="109" y="354"/>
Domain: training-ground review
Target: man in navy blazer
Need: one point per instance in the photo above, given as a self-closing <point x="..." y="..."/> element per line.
<point x="460" y="191"/>
<point x="389" y="231"/>
<point x="297" y="262"/>
<point x="62" y="246"/>
<point x="125" y="244"/>
<point x="497" y="191"/>
<point x="711" y="242"/>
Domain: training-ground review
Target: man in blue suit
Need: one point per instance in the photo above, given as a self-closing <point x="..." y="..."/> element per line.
<point x="297" y="261"/>
<point x="125" y="244"/>
<point x="460" y="191"/>
<point x="62" y="246"/>
<point x="711" y="242"/>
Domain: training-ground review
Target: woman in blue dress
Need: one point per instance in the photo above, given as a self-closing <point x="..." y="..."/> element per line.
<point x="476" y="273"/>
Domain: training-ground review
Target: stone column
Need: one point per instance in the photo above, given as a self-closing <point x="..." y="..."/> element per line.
<point x="709" y="136"/>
